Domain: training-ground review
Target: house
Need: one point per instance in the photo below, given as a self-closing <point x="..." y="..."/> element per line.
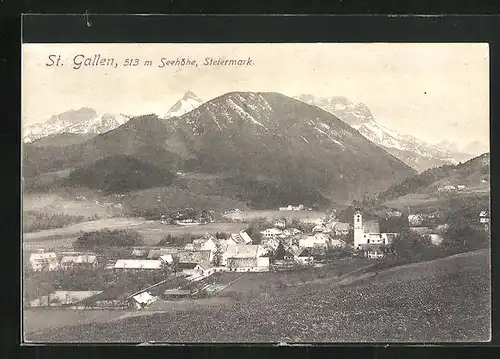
<point x="316" y="240"/>
<point x="337" y="243"/>
<point x="188" y="260"/>
<point x="461" y="187"/>
<point x="43" y="261"/>
<point x="138" y="252"/>
<point x="248" y="257"/>
<point x="273" y="243"/>
<point x="319" y="228"/>
<point x="240" y="238"/>
<point x="63" y="297"/>
<point x="304" y="256"/>
<point x="368" y="232"/>
<point x="415" y="219"/>
<point x="138" y="264"/>
<point x="279" y="223"/>
<point x="176" y="293"/>
<point x="393" y="214"/>
<point x="436" y="239"/>
<point x="341" y="229"/>
<point x="142" y="300"/>
<point x="204" y="268"/>
<point x="484" y="217"/>
<point x="167" y="258"/>
<point x="372" y="251"/>
<point x="271" y="233"/>
<point x="157" y="253"/>
<point x="80" y="261"/>
<point x="289" y="232"/>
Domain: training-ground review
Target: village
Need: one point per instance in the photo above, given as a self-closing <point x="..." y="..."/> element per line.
<point x="142" y="275"/>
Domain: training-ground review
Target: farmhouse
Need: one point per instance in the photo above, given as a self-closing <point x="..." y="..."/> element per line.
<point x="43" y="261"/>
<point x="436" y="239"/>
<point x="245" y="258"/>
<point x="304" y="256"/>
<point x="138" y="264"/>
<point x="368" y="232"/>
<point x="319" y="228"/>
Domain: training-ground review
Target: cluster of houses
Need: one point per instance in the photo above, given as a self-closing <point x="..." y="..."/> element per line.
<point x="49" y="261"/>
<point x="451" y="188"/>
<point x="291" y="207"/>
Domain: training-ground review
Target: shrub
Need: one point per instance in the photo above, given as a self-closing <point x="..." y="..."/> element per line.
<point x="107" y="238"/>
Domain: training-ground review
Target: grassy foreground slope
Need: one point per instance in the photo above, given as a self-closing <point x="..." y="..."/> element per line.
<point x="445" y="300"/>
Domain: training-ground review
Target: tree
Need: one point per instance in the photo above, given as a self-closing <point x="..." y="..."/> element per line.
<point x="464" y="231"/>
<point x="217" y="258"/>
<point x="280" y="252"/>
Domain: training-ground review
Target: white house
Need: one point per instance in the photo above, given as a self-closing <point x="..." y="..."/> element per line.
<point x="245" y="256"/>
<point x="85" y="261"/>
<point x="316" y="240"/>
<point x="271" y="233"/>
<point x="484" y="217"/>
<point x="44" y="261"/>
<point x="143" y="299"/>
<point x="415" y="219"/>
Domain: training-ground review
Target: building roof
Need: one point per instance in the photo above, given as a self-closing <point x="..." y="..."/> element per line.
<point x="241" y="238"/>
<point x="205" y="264"/>
<point x="86" y="259"/>
<point x="272" y="231"/>
<point x="341" y="226"/>
<point x="243" y="262"/>
<point x="483" y="214"/>
<point x="138" y="264"/>
<point x="157" y="253"/>
<point x="68" y="259"/>
<point x="43" y="256"/>
<point x="144" y="297"/>
<point x="193" y="256"/>
<point x="176" y="291"/>
<point x="242" y="251"/>
<point x="371" y="227"/>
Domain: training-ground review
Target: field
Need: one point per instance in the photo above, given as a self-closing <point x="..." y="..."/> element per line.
<point x="445" y="300"/>
<point x="426" y="201"/>
<point x="270" y="215"/>
<point x="152" y="231"/>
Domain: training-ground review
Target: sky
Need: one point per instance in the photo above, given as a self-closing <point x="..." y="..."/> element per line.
<point x="435" y="92"/>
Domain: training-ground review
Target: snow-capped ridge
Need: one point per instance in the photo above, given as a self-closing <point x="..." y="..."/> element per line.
<point x="82" y="121"/>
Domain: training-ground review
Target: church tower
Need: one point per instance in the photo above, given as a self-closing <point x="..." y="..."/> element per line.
<point x="358" y="228"/>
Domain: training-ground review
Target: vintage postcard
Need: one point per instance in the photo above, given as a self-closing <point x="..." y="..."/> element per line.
<point x="256" y="193"/>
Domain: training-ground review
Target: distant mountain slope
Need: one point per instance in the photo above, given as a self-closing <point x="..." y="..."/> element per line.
<point x="412" y="151"/>
<point x="82" y="121"/>
<point x="119" y="173"/>
<point x="275" y="140"/>
<point x="187" y="103"/>
<point x="474" y="174"/>
<point x="62" y="139"/>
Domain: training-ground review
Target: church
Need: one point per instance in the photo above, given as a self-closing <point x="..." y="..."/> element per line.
<point x="368" y="232"/>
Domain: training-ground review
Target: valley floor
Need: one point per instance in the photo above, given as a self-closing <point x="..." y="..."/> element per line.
<point x="445" y="300"/>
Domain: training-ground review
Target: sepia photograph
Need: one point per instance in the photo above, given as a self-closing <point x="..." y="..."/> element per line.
<point x="255" y="193"/>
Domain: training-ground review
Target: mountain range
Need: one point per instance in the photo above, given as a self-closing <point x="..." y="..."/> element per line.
<point x="84" y="121"/>
<point x="264" y="144"/>
<point x="412" y="151"/>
